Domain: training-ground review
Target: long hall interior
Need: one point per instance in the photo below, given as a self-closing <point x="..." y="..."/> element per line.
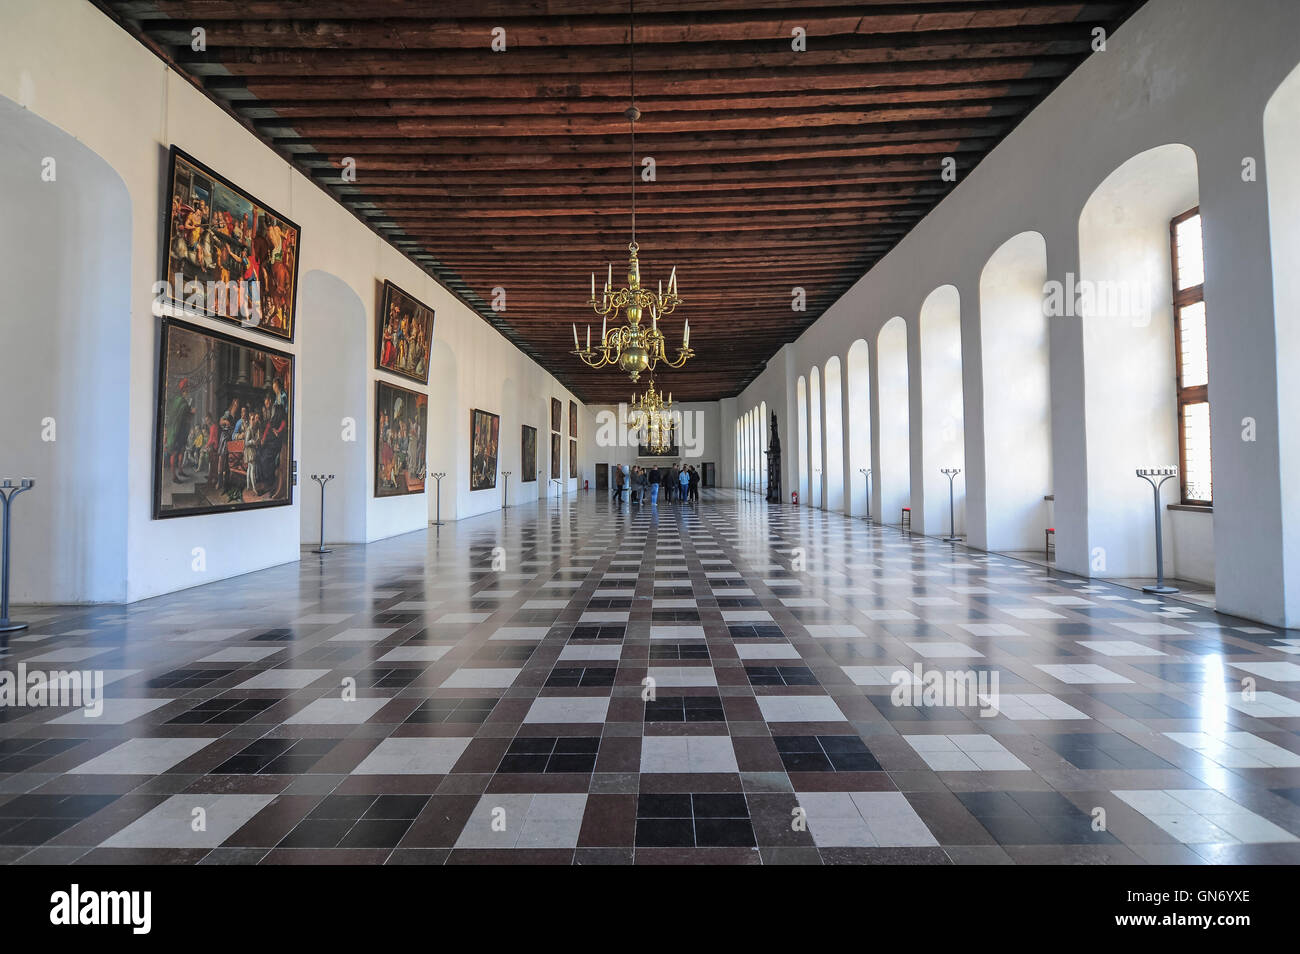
<point x="651" y="432"/>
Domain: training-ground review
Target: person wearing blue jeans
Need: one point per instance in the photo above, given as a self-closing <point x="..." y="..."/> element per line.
<point x="654" y="486"/>
<point x="684" y="481"/>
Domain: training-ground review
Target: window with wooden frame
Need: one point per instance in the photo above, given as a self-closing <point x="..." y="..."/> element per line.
<point x="1191" y="357"/>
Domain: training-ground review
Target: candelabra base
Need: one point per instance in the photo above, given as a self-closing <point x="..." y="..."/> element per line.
<point x="10" y="626"/>
<point x="322" y="550"/>
<point x="1163" y="590"/>
<point x="437" y="523"/>
<point x="952" y="539"/>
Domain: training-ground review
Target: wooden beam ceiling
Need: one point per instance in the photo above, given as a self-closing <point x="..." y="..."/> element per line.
<point x="775" y="169"/>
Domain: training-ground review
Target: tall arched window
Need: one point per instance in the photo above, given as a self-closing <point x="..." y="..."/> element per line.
<point x="1192" y="356"/>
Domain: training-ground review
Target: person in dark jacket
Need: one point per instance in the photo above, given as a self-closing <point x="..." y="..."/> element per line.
<point x="655" y="479"/>
<point x="695" y="485"/>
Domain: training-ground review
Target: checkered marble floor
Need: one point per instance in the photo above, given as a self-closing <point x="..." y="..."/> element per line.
<point x="731" y="683"/>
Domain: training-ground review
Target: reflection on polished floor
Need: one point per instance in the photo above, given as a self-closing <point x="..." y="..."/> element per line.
<point x="434" y="699"/>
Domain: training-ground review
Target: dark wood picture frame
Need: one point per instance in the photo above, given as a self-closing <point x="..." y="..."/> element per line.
<point x="573" y="458"/>
<point x="528" y="454"/>
<point x="397" y="306"/>
<point x="224" y="255"/>
<point x="557" y="409"/>
<point x="573" y="418"/>
<point x="232" y="382"/>
<point x="555" y="456"/>
<point x="484" y="449"/>
<point x="388" y="457"/>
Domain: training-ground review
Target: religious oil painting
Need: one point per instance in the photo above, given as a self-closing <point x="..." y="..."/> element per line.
<point x="485" y="430"/>
<point x="528" y="455"/>
<point x="556" y="410"/>
<point x="555" y="457"/>
<point x="227" y="255"/>
<point x="405" y="335"/>
<point x="401" y="440"/>
<point x="224" y="429"/>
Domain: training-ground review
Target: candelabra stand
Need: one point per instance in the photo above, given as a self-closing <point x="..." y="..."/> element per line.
<point x="558" y="485"/>
<point x="8" y="491"/>
<point x="322" y="479"/>
<point x="505" y="489"/>
<point x="866" y="479"/>
<point x="437" y="519"/>
<point x="951" y="473"/>
<point x="1156" y="477"/>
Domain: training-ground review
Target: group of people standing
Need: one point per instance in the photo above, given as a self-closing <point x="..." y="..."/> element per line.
<point x="644" y="484"/>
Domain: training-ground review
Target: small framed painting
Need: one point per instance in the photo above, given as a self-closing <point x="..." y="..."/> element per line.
<point x="556" y="411"/>
<point x="528" y="455"/>
<point x="404" y="335"/>
<point x="401" y="439"/>
<point x="485" y="430"/>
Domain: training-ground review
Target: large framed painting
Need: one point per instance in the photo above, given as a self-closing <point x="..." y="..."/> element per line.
<point x="404" y="335"/>
<point x="528" y="455"/>
<point x="223" y="439"/>
<point x="556" y="411"/>
<point x="573" y="418"/>
<point x="555" y="457"/>
<point x="401" y="440"/>
<point x="573" y="458"/>
<point x="226" y="254"/>
<point x="484" y="434"/>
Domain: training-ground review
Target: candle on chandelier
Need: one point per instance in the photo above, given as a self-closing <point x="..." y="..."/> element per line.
<point x="575" y="337"/>
<point x="672" y="281"/>
<point x="593" y="286"/>
<point x="589" y="337"/>
<point x="609" y="282"/>
<point x="686" y="334"/>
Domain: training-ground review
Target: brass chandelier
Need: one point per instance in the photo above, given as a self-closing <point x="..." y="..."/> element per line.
<point x="634" y="347"/>
<point x="653" y="414"/>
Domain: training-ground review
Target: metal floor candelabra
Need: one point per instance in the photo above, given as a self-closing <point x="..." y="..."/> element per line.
<point x="8" y="491"/>
<point x="1156" y="477"/>
<point x="322" y="479"/>
<point x="951" y="473"/>
<point x="437" y="519"/>
<point x="866" y="479"/>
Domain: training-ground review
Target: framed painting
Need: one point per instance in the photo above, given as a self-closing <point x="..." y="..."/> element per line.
<point x="225" y="254"/>
<point x="556" y="410"/>
<point x="528" y="455"/>
<point x="401" y="440"/>
<point x="484" y="434"/>
<point x="404" y="335"/>
<point x="223" y="438"/>
<point x="573" y="458"/>
<point x="573" y="418"/>
<point x="555" y="457"/>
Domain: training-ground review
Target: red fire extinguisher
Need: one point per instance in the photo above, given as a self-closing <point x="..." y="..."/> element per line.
<point x="794" y="497"/>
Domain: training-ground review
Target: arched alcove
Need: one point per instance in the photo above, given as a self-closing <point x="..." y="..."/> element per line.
<point x="942" y="416"/>
<point x="1282" y="168"/>
<point x="833" y="469"/>
<point x="892" y="487"/>
<point x="858" y="425"/>
<point x="816" y="466"/>
<point x="65" y="368"/>
<point x="1124" y="302"/>
<point x="1017" y="399"/>
<point x="332" y="421"/>
<point x="801" y="405"/>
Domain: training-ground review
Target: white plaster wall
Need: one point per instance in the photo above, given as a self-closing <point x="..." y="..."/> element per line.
<point x="63" y="362"/>
<point x="69" y="64"/>
<point x="1197" y="72"/>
